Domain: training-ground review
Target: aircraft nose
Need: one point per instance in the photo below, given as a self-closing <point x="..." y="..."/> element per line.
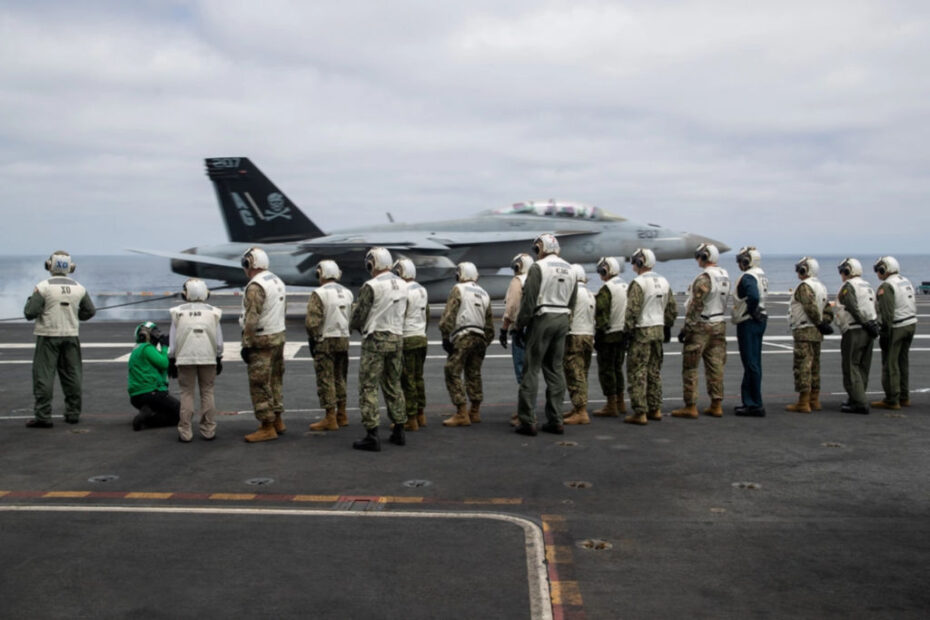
<point x="695" y="240"/>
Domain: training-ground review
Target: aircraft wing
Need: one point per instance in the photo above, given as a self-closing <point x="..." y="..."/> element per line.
<point x="413" y="241"/>
<point x="193" y="258"/>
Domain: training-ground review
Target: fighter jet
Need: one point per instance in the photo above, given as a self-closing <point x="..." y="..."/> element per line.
<point x="257" y="213"/>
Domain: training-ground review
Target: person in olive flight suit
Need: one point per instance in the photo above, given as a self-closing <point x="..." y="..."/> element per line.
<point x="897" y="315"/>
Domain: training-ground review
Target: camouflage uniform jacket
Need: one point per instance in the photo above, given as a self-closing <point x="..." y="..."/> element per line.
<point x="804" y="295"/>
<point x="314" y="324"/>
<point x="699" y="290"/>
<point x="366" y="299"/>
<point x="447" y="320"/>
<point x="602" y="301"/>
<point x="254" y="304"/>
<point x="634" y="307"/>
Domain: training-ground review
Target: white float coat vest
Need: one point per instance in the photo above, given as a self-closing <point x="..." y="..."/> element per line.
<point x="583" y="313"/>
<point x="865" y="300"/>
<point x="797" y="318"/>
<point x="62" y="299"/>
<point x="905" y="305"/>
<point x="473" y="308"/>
<point x="656" y="290"/>
<point x="715" y="302"/>
<point x="417" y="307"/>
<point x="555" y="287"/>
<point x="271" y="320"/>
<point x="739" y="304"/>
<point x="618" y="292"/>
<point x="521" y="278"/>
<point x="195" y="326"/>
<point x="390" y="304"/>
<point x="337" y="305"/>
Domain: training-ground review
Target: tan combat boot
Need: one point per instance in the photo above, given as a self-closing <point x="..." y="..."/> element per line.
<point x="654" y="415"/>
<point x="636" y="418"/>
<point x="803" y="405"/>
<point x="341" y="418"/>
<point x="412" y="424"/>
<point x="610" y="409"/>
<point x="688" y="411"/>
<point x="459" y="419"/>
<point x="264" y="433"/>
<point x="326" y="424"/>
<point x="815" y="400"/>
<point x="474" y="414"/>
<point x="279" y="427"/>
<point x="716" y="408"/>
<point x="880" y="404"/>
<point x="421" y="418"/>
<point x="905" y="402"/>
<point x="621" y="404"/>
<point x="514" y="420"/>
<point x="578" y="415"/>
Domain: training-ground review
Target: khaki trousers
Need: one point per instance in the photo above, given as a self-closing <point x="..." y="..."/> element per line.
<point x="188" y="377"/>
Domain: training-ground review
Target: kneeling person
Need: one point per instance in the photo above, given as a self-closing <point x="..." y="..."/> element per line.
<point x="148" y="380"/>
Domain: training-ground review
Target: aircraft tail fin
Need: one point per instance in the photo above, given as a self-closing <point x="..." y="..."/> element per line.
<point x="254" y="210"/>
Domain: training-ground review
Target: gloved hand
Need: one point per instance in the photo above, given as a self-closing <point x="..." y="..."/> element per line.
<point x="758" y="315"/>
<point x="599" y="339"/>
<point x="172" y="368"/>
<point x="872" y="328"/>
<point x="219" y="366"/>
<point x="682" y="335"/>
<point x="626" y="339"/>
<point x="245" y="352"/>
<point x="667" y="333"/>
<point x="503" y="337"/>
<point x="312" y="343"/>
<point x="447" y="346"/>
<point x="825" y="328"/>
<point x="883" y="341"/>
<point x="519" y="338"/>
<point x="163" y="341"/>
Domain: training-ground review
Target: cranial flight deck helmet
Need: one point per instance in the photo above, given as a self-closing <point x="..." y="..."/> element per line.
<point x="328" y="270"/>
<point x="850" y="267"/>
<point x="707" y="252"/>
<point x="195" y="289"/>
<point x="644" y="258"/>
<point x="59" y="263"/>
<point x="886" y="265"/>
<point x="405" y="268"/>
<point x="546" y="244"/>
<point x="254" y="258"/>
<point x="377" y="259"/>
<point x="580" y="275"/>
<point x="807" y="266"/>
<point x="748" y="257"/>
<point x="147" y="332"/>
<point x="466" y="272"/>
<point x="521" y="264"/>
<point x="608" y="266"/>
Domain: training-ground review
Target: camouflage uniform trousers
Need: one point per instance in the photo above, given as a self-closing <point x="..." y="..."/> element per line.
<point x="266" y="377"/>
<point x="610" y="357"/>
<point x="412" y="379"/>
<point x="332" y="369"/>
<point x="806" y="362"/>
<point x="467" y="357"/>
<point x="705" y="341"/>
<point x="644" y="370"/>
<point x="381" y="364"/>
<point x="895" y="366"/>
<point x="577" y="363"/>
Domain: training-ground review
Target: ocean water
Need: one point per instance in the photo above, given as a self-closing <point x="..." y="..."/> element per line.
<point x="137" y="273"/>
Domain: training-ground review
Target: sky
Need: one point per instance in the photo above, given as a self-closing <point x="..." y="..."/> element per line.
<point x="799" y="127"/>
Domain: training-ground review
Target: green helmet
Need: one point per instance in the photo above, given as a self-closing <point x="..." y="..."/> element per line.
<point x="146" y="332"/>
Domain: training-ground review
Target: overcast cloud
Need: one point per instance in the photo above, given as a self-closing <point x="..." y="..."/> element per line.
<point x="796" y="126"/>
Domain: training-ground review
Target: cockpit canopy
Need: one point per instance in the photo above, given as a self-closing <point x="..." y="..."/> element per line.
<point x="557" y="208"/>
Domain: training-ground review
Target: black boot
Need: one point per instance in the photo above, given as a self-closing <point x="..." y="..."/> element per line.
<point x="397" y="435"/>
<point x="370" y="442"/>
<point x="139" y="422"/>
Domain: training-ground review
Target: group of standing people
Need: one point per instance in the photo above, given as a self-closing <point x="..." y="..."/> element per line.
<point x="551" y="320"/>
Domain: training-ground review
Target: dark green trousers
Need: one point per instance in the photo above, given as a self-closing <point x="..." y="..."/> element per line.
<point x="62" y="355"/>
<point x="545" y="349"/>
<point x="856" y="352"/>
<point x="895" y="351"/>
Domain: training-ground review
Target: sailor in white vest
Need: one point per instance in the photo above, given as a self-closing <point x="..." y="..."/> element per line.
<point x="415" y="320"/>
<point x="327" y="324"/>
<point x="262" y="322"/>
<point x="379" y="316"/>
<point x="750" y="319"/>
<point x="543" y="322"/>
<point x="520" y="265"/>
<point x="651" y="311"/>
<point x="704" y="335"/>
<point x="579" y="347"/>
<point x="467" y="328"/>
<point x="195" y="355"/>
<point x="609" y="339"/>
<point x="857" y="319"/>
<point x="897" y="314"/>
<point x="57" y="305"/>
<point x="809" y="317"/>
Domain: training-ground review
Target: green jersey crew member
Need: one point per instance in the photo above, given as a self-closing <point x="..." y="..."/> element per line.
<point x="148" y="380"/>
<point x="57" y="305"/>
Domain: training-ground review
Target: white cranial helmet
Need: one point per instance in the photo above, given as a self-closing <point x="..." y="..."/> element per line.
<point x="377" y="259"/>
<point x="707" y="252"/>
<point x="748" y="257"/>
<point x="850" y="267"/>
<point x="521" y="264"/>
<point x="255" y="258"/>
<point x="580" y="275"/>
<point x="195" y="289"/>
<point x="466" y="272"/>
<point x="59" y="263"/>
<point x="887" y="265"/>
<point x="545" y="244"/>
<point x="644" y="258"/>
<point x="608" y="266"/>
<point x="405" y="268"/>
<point x="807" y="266"/>
<point x="328" y="270"/>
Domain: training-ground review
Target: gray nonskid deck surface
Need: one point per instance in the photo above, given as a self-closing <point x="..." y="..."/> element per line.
<point x="792" y="515"/>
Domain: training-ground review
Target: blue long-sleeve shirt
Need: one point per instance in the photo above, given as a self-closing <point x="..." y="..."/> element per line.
<point x="748" y="289"/>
